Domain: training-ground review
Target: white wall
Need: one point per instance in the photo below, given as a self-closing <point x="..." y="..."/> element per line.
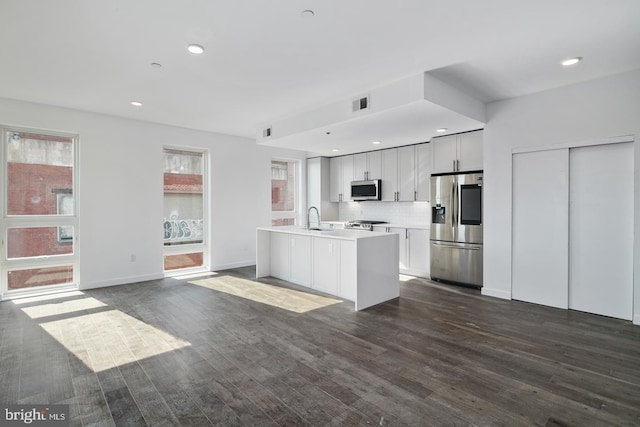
<point x="598" y="109"/>
<point x="121" y="190"/>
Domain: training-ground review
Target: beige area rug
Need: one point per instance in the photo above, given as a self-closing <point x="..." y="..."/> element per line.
<point x="287" y="299"/>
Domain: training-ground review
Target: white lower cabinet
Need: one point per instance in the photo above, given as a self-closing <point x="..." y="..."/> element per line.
<point x="355" y="266"/>
<point x="326" y="264"/>
<point x="300" y="255"/>
<point x="418" y="251"/>
<point x="279" y="265"/>
<point x="402" y="247"/>
<point x="348" y="270"/>
<point x="334" y="267"/>
<point x="413" y="245"/>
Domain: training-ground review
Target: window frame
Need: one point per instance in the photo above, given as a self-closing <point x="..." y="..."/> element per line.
<point x="295" y="213"/>
<point x="62" y="222"/>
<point x="186" y="247"/>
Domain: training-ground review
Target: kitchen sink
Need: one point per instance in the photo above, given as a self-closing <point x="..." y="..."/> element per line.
<point x="322" y="230"/>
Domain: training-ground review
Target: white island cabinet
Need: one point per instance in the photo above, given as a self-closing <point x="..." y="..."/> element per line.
<point x="357" y="265"/>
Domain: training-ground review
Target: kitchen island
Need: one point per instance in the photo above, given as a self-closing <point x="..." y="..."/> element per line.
<point x="361" y="266"/>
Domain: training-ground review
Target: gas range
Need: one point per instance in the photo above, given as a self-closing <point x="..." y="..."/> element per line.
<point x="362" y="224"/>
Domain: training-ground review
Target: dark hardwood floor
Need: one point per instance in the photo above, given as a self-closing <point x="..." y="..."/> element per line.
<point x="170" y="352"/>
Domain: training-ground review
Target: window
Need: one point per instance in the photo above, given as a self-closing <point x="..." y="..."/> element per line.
<point x="184" y="209"/>
<point x="39" y="218"/>
<point x="284" y="192"/>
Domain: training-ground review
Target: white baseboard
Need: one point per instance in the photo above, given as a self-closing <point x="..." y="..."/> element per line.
<point x="496" y="293"/>
<point x="147" y="277"/>
<point x="120" y="281"/>
<point x="234" y="265"/>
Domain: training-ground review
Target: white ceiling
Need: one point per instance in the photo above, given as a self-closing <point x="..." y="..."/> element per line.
<point x="264" y="62"/>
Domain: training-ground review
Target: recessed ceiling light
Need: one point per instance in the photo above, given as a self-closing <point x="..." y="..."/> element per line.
<point x="307" y="14"/>
<point x="156" y="65"/>
<point x="136" y="103"/>
<point x="196" y="49"/>
<point x="571" y="61"/>
<point x="441" y="130"/>
<point x="335" y="150"/>
<point x="376" y="142"/>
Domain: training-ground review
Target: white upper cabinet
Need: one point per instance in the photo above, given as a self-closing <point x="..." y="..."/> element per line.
<point x="404" y="171"/>
<point x="444" y="153"/>
<point x="470" y="151"/>
<point x="335" y="179"/>
<point x="423" y="172"/>
<point x="406" y="174"/>
<point x="347" y="177"/>
<point x="389" y="175"/>
<point x="341" y="171"/>
<point x="457" y="153"/>
<point x="398" y="174"/>
<point x="367" y="165"/>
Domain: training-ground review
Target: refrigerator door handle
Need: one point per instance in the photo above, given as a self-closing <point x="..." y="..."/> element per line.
<point x="469" y="248"/>
<point x="452" y="205"/>
<point x="456" y="204"/>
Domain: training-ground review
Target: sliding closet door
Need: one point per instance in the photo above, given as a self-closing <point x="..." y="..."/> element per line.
<point x="540" y="264"/>
<point x="601" y="231"/>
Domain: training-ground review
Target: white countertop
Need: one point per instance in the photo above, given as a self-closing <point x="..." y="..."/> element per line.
<point x="391" y="224"/>
<point x="414" y="226"/>
<point x="343" y="234"/>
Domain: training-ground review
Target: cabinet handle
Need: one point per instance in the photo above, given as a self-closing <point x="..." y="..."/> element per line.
<point x="406" y="233"/>
<point x="415" y="196"/>
<point x="457" y="165"/>
<point x="454" y="165"/>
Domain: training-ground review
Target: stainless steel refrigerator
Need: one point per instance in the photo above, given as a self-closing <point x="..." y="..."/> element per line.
<point x="456" y="228"/>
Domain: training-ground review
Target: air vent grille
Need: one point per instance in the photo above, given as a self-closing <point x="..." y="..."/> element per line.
<point x="360" y="104"/>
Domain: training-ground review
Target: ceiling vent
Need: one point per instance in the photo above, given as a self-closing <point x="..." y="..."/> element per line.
<point x="360" y="104"/>
<point x="266" y="132"/>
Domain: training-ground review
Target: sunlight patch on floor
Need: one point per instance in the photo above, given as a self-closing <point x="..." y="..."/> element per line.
<point x="106" y="339"/>
<point x="63" y="307"/>
<point x="286" y="299"/>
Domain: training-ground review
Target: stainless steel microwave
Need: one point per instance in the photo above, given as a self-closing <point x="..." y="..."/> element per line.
<point x="365" y="190"/>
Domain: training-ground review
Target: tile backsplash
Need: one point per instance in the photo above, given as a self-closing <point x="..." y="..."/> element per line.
<point x="402" y="213"/>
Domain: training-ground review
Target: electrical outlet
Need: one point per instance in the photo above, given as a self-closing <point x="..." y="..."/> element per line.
<point x="133" y="258"/>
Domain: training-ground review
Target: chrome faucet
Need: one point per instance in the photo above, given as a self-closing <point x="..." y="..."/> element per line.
<point x="309" y="213"/>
